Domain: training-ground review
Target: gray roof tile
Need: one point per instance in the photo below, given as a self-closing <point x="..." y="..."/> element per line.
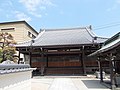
<point x="108" y="45"/>
<point x="71" y="36"/>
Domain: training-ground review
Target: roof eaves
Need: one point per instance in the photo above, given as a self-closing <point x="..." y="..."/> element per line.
<point x="110" y="46"/>
<point x="31" y="27"/>
<point x="65" y="45"/>
<point x="26" y="43"/>
<point x="102" y="37"/>
<point x="12" y="22"/>
<point x="107" y="47"/>
<point x="89" y="30"/>
<point x="115" y="37"/>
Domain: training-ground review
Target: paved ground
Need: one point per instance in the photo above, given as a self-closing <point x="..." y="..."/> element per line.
<point x="66" y="83"/>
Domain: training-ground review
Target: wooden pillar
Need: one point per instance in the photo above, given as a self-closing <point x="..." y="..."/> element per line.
<point x="83" y="61"/>
<point x="18" y="57"/>
<point x="30" y="58"/>
<point x="101" y="72"/>
<point x="47" y="61"/>
<point x="42" y="64"/>
<point x="30" y="52"/>
<point x="112" y="73"/>
<point x="42" y="56"/>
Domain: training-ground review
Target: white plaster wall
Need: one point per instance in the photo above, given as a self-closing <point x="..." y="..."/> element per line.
<point x="21" y="55"/>
<point x="16" y="81"/>
<point x="27" y="59"/>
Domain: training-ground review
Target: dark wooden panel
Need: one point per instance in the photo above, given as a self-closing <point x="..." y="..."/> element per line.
<point x="70" y="71"/>
<point x="38" y="64"/>
<point x="63" y="64"/>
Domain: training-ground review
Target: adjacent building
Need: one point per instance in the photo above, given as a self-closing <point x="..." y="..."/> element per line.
<point x="62" y="51"/>
<point x="20" y="30"/>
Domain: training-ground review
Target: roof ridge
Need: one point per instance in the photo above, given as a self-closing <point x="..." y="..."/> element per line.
<point x="90" y="33"/>
<point x="61" y="29"/>
<point x="40" y="34"/>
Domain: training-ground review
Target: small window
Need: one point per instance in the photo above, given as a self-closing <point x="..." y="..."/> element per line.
<point x="7" y="29"/>
<point x="33" y="36"/>
<point x="29" y="33"/>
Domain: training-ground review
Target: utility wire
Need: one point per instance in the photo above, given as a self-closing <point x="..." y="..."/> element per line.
<point x="107" y="26"/>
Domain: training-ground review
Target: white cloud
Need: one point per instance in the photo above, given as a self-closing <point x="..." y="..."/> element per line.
<point x="112" y="8"/>
<point x="115" y="5"/>
<point x="33" y="6"/>
<point x="42" y="8"/>
<point x="5" y="4"/>
<point x="10" y="3"/>
<point x="36" y="14"/>
<point x="22" y="16"/>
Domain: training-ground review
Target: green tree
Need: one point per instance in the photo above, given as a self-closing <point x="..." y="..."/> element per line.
<point x="8" y="53"/>
<point x="7" y="48"/>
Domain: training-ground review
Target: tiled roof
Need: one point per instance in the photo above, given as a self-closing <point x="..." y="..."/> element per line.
<point x="70" y="36"/>
<point x="109" y="44"/>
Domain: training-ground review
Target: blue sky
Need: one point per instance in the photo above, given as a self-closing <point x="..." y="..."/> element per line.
<point x="65" y="14"/>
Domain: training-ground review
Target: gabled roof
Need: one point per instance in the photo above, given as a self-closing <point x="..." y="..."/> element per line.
<point x="13" y="22"/>
<point x="69" y="36"/>
<point x="108" y="45"/>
